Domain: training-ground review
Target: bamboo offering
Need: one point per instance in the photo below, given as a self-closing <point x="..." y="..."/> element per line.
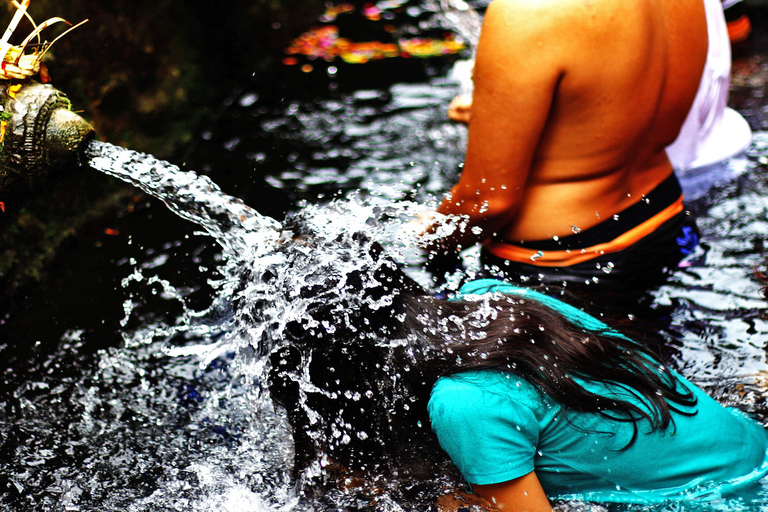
<point x="20" y="62"/>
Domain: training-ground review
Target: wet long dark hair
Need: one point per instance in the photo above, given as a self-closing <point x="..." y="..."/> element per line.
<point x="531" y="340"/>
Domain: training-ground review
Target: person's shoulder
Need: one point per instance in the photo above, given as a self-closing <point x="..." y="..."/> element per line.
<point x="473" y="386"/>
<point x="486" y="401"/>
<point x="538" y="23"/>
<point x="540" y="11"/>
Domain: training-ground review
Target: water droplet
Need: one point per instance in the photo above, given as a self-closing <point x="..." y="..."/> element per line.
<point x="575" y="229"/>
<point x="248" y="99"/>
<point x="537" y="256"/>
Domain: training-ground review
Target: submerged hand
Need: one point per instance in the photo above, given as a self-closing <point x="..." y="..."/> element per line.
<point x="419" y="225"/>
<point x="430" y="230"/>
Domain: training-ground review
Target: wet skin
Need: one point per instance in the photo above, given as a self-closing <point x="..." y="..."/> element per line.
<point x="574" y="103"/>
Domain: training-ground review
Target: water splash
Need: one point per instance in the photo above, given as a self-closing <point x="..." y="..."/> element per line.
<point x="282" y="305"/>
<point x="295" y="312"/>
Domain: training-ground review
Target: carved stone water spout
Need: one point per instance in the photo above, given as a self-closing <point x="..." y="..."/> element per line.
<point x="40" y="139"/>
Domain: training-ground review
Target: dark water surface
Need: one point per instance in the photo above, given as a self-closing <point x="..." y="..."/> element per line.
<point x="130" y="382"/>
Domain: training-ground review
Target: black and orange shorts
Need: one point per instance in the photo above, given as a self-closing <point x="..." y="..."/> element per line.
<point x="638" y="246"/>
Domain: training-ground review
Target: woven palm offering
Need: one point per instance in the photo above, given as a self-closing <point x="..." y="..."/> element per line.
<point x="22" y="61"/>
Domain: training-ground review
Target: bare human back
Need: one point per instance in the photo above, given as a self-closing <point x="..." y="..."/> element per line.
<point x="574" y="104"/>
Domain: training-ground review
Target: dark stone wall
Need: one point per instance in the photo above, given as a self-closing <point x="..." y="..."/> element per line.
<point x="144" y="71"/>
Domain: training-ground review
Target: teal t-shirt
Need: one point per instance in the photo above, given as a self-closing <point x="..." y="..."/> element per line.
<point x="496" y="427"/>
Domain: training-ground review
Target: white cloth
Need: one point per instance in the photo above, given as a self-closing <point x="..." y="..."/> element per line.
<point x="712" y="132"/>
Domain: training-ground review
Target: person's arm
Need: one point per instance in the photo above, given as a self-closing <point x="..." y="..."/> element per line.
<point x="517" y="69"/>
<point x="522" y="494"/>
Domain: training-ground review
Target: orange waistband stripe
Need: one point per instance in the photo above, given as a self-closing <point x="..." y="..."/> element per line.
<point x="570" y="257"/>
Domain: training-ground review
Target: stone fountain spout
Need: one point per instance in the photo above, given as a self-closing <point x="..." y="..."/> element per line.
<point x="40" y="139"/>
